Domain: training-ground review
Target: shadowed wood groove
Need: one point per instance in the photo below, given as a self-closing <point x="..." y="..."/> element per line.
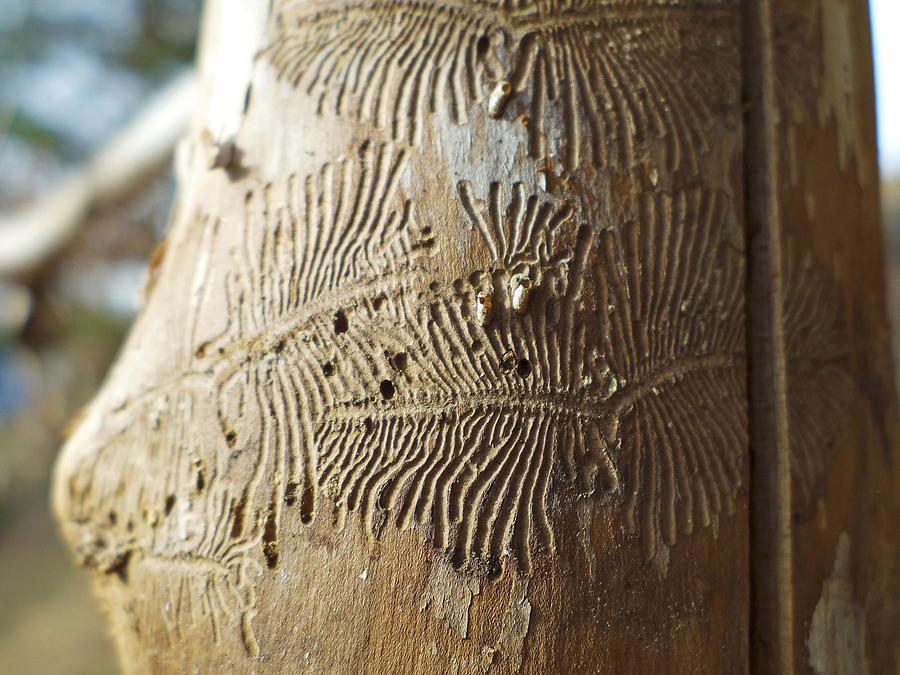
<point x="770" y="485"/>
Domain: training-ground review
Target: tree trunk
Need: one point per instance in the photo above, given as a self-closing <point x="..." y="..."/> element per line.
<point x="508" y="335"/>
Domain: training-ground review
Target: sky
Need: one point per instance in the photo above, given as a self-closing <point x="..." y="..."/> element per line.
<point x="885" y="27"/>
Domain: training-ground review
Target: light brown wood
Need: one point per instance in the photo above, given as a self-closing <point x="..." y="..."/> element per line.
<point x="443" y="366"/>
<point x="841" y="401"/>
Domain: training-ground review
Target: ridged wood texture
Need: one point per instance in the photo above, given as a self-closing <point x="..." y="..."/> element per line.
<point x="443" y="366"/>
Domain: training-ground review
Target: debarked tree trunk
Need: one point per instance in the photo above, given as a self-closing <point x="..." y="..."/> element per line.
<point x="508" y="336"/>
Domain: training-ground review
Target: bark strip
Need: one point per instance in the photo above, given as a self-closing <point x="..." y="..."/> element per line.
<point x="771" y="618"/>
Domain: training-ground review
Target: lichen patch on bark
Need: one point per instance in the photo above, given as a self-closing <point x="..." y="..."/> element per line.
<point x="836" y="642"/>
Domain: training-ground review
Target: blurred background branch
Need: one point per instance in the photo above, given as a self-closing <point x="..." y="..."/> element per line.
<point x="89" y="79"/>
<point x="31" y="235"/>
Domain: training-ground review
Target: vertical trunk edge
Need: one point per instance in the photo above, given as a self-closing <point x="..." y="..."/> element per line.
<point x="771" y="613"/>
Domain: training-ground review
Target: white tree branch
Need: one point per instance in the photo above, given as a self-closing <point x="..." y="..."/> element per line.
<point x="28" y="237"/>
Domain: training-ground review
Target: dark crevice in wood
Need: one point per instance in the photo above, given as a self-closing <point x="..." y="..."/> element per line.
<point x="771" y="585"/>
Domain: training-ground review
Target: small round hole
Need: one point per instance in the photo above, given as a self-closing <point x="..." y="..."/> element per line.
<point x="458" y="559"/>
<point x="523" y="368"/>
<point x="387" y="390"/>
<point x="328" y="368"/>
<point x="341" y="325"/>
<point x="494" y="570"/>
<point x="399" y="361"/>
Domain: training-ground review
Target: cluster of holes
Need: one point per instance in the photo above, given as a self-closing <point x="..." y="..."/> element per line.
<point x="386" y="387"/>
<point x="306" y="497"/>
<point x="200" y="352"/>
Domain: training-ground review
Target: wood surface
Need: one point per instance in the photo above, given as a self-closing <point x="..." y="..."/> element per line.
<point x="841" y="402"/>
<point x="507" y="336"/>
